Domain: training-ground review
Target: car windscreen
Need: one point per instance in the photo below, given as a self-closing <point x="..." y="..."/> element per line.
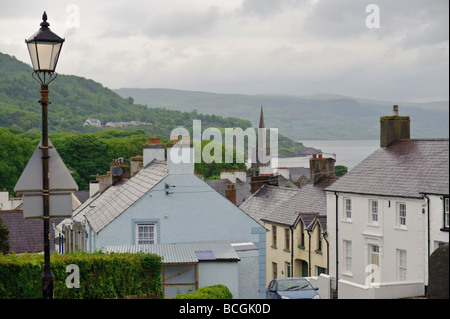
<point x="294" y="284"/>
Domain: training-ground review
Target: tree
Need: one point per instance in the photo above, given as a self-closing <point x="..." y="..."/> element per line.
<point x="212" y="170"/>
<point x="86" y="154"/>
<point x="4" y="238"/>
<point x="14" y="155"/>
<point x="340" y="170"/>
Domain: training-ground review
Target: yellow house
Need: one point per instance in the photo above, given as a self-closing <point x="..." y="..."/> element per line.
<point x="295" y="220"/>
<point x="297" y="250"/>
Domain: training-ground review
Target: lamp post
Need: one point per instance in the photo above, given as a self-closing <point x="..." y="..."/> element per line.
<point x="44" y="47"/>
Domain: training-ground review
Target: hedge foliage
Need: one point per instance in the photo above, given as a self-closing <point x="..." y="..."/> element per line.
<point x="209" y="292"/>
<point x="101" y="275"/>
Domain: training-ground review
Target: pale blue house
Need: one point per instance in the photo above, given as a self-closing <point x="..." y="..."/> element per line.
<point x="164" y="202"/>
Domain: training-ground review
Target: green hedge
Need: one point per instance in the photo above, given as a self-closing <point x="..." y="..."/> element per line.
<point x="209" y="292"/>
<point x="101" y="275"/>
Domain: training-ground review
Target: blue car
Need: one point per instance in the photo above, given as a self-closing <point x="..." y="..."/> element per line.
<point x="291" y="288"/>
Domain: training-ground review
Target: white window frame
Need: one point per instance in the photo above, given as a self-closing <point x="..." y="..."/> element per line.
<point x="372" y="214"/>
<point x="402" y="265"/>
<point x="151" y="240"/>
<point x="401" y="218"/>
<point x="347" y="209"/>
<point x="348" y="261"/>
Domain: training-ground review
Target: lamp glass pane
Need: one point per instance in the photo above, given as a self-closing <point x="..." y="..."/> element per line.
<point x="33" y="55"/>
<point x="47" y="55"/>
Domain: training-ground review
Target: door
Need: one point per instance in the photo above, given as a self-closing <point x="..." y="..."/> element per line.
<point x="374" y="260"/>
<point x="304" y="269"/>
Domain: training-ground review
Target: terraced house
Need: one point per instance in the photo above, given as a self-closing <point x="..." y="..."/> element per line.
<point x="388" y="215"/>
<point x="297" y="237"/>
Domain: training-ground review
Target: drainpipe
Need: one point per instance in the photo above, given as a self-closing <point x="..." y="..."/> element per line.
<point x="328" y="251"/>
<point x="292" y="251"/>
<point x="428" y="232"/>
<point x="309" y="252"/>
<point x="337" y="242"/>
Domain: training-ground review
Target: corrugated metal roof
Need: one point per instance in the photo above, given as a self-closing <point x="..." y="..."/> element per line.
<point x="181" y="253"/>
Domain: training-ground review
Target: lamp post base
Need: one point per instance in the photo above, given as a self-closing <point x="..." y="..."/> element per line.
<point x="47" y="284"/>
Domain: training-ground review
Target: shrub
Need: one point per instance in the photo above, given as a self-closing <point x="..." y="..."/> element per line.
<point x="4" y="238"/>
<point x="209" y="292"/>
<point x="101" y="275"/>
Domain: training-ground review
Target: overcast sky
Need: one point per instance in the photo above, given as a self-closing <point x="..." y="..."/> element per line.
<point x="297" y="47"/>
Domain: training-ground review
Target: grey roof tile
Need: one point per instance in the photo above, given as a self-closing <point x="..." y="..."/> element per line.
<point x="105" y="207"/>
<point x="283" y="205"/>
<point x="405" y="169"/>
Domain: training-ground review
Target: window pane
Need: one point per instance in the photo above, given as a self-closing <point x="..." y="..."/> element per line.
<point x="146" y="234"/>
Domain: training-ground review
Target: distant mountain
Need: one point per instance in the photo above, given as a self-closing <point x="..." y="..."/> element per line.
<point x="312" y="117"/>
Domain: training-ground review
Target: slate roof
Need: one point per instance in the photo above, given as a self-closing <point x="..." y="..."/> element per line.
<point x="102" y="209"/>
<point x="297" y="172"/>
<point x="179" y="253"/>
<point x="404" y="169"/>
<point x="283" y="205"/>
<point x="220" y="185"/>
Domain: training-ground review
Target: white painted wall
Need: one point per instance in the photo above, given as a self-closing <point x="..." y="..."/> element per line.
<point x="386" y="234"/>
<point x="208" y="275"/>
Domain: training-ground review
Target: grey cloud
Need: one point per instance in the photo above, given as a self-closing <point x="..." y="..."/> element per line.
<point x="266" y="8"/>
<point x="411" y="20"/>
<point x="182" y="23"/>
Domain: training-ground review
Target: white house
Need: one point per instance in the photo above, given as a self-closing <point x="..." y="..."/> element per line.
<point x="92" y="122"/>
<point x="388" y="214"/>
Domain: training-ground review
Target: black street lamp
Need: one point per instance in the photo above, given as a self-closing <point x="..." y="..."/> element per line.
<point x="44" y="47"/>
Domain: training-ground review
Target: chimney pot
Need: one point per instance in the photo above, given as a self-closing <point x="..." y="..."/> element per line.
<point x="314" y="155"/>
<point x="395" y="110"/>
<point x="157" y="140"/>
<point x="320" y="155"/>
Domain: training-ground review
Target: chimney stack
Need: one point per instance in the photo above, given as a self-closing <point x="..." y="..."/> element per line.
<point x="153" y="150"/>
<point x="393" y="128"/>
<point x="258" y="181"/>
<point x="136" y="164"/>
<point x="230" y="193"/>
<point x="180" y="157"/>
<point x="321" y="168"/>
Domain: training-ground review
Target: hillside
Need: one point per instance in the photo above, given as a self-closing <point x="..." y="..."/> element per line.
<point x="74" y="99"/>
<point x="303" y="118"/>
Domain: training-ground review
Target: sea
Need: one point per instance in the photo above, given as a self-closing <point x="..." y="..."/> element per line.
<point x="346" y="152"/>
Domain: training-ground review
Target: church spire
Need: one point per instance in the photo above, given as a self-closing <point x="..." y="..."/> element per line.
<point x="261" y="119"/>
